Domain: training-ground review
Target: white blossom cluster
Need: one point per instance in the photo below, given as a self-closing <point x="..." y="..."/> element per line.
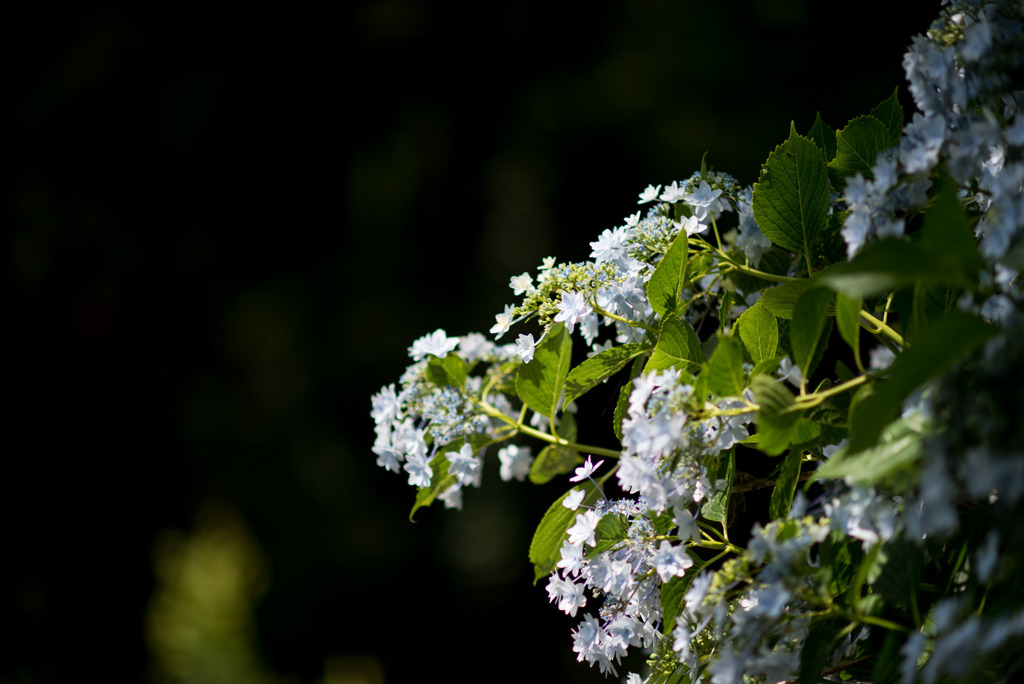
<point x="412" y="424"/>
<point x="628" y="576"/>
<point x="623" y="260"/>
<point x="749" y="616"/>
<point x="970" y="120"/>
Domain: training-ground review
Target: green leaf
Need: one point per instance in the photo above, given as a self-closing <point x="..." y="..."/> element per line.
<point x="857" y="145"/>
<point x="440" y="480"/>
<point x="791" y="197"/>
<point x="776" y="420"/>
<point x="824" y="136"/>
<point x="673" y="596"/>
<point x="759" y="332"/>
<point x="725" y="369"/>
<point x="900" y="574"/>
<point x="610" y="531"/>
<point x="887" y="666"/>
<point x="622" y="405"/>
<point x="887" y="265"/>
<point x="805" y="332"/>
<point x="785" y="485"/>
<point x="555" y="460"/>
<point x="450" y="370"/>
<point x="717" y="505"/>
<point x="599" y="367"/>
<point x="678" y="347"/>
<point x="552" y="461"/>
<point x="947" y="236"/>
<point x="767" y="366"/>
<point x="781" y="300"/>
<point x="546" y="547"/>
<point x="899" y="446"/>
<point x="848" y="320"/>
<point x="539" y="383"/>
<point x="817" y="650"/>
<point x="667" y="281"/>
<point x="941" y="345"/>
<point x="621" y="409"/>
<point x="890" y="113"/>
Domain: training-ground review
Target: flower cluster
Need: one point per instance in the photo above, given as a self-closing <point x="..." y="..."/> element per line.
<point x="819" y="471"/>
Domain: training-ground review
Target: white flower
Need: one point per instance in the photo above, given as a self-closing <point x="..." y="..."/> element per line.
<point x="571" y="309"/>
<point x="437" y="343"/>
<point x="575" y="498"/>
<point x="610" y="246"/>
<point x="418" y="467"/>
<point x="670" y="561"/>
<point x="673" y="193"/>
<point x="790" y="372"/>
<point x="584" y="529"/>
<point x="632" y="220"/>
<point x="504" y="322"/>
<point x="572" y="558"/>
<point x="525" y="346"/>
<point x="692" y="226"/>
<point x="585" y="470"/>
<point x="515" y="462"/>
<point x="650" y="194"/>
<point x="751" y="240"/>
<point x="463" y="464"/>
<point x="452" y="497"/>
<point x="521" y="283"/>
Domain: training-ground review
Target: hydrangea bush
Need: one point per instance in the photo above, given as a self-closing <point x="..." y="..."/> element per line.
<point x="850" y="325"/>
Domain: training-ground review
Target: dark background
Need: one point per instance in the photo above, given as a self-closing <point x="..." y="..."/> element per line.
<point x="225" y="228"/>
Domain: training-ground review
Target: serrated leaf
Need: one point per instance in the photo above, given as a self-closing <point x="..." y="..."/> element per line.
<point x="667" y="281"/>
<point x="941" y="345"/>
<point x="546" y="546"/>
<point x="540" y="383"/>
<point x="805" y="332"/>
<point x="599" y="367"/>
<point x="824" y="136"/>
<point x="716" y="506"/>
<point x="677" y="347"/>
<point x="725" y="369"/>
<point x="791" y="197"/>
<point x="890" y="112"/>
<point x="857" y="145"/>
<point x="785" y="485"/>
<point x="759" y="332"/>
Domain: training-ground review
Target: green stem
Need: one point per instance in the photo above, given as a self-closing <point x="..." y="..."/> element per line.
<point x="816" y="398"/>
<point x="551" y="439"/>
<point x="733" y="266"/>
<point x="634" y="324"/>
<point x="879" y="327"/>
